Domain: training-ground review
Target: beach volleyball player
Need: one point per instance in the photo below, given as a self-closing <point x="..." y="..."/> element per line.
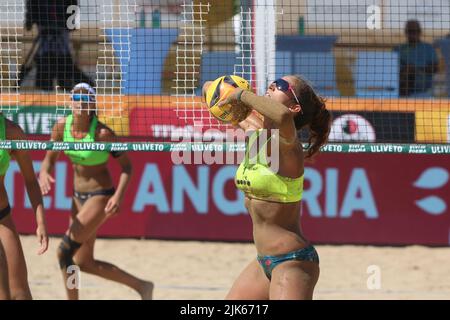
<point x="287" y="265"/>
<point x="4" y="282"/>
<point x="14" y="278"/>
<point x="95" y="199"/>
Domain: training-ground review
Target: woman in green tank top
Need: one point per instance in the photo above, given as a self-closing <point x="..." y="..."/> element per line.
<point x="95" y="199"/>
<point x="14" y="278"/>
<point x="271" y="177"/>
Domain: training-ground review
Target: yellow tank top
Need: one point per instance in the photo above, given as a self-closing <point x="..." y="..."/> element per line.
<point x="255" y="178"/>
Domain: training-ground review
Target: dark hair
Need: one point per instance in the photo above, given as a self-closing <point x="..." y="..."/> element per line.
<point x="413" y="23"/>
<point x="314" y="115"/>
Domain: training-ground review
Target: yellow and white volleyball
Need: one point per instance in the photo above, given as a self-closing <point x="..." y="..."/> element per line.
<point x="219" y="90"/>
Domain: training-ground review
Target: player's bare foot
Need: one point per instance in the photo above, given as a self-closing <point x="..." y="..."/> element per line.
<point x="146" y="291"/>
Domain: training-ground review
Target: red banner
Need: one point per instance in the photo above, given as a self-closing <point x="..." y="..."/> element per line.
<point x="348" y="198"/>
<point x="163" y="123"/>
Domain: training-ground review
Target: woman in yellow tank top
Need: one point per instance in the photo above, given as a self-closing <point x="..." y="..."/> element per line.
<point x="287" y="265"/>
<point x="95" y="199"/>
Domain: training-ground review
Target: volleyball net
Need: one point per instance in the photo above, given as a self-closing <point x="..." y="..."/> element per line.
<point x="383" y="67"/>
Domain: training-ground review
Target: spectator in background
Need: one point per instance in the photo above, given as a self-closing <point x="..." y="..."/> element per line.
<point x="53" y="56"/>
<point x="418" y="63"/>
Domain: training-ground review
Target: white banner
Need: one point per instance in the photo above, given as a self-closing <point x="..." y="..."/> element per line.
<point x="394" y="13"/>
<point x="432" y="14"/>
<point x="338" y="14"/>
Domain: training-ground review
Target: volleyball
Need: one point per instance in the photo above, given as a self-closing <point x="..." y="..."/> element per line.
<point x="218" y="90"/>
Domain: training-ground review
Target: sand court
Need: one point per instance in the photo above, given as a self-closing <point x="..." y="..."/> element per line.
<point x="206" y="270"/>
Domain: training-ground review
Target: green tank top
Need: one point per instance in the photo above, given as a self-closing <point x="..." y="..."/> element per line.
<point x="255" y="178"/>
<point x="84" y="157"/>
<point x="4" y="154"/>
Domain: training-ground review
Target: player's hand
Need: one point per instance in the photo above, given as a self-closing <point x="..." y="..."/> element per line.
<point x="234" y="98"/>
<point x="113" y="206"/>
<point x="41" y="233"/>
<point x="45" y="182"/>
<point x="205" y="89"/>
<point x="239" y="110"/>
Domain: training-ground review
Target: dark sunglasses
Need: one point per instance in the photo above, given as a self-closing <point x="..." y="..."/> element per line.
<point x="82" y="97"/>
<point x="284" y="86"/>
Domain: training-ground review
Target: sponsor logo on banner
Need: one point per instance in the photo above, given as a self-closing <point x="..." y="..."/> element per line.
<point x="352" y="127"/>
<point x="5" y="145"/>
<point x="432" y="179"/>
<point x="39" y="120"/>
<point x="347" y="198"/>
<point x="358" y="197"/>
<point x="167" y="124"/>
<point x="147" y="147"/>
<point x="117" y="146"/>
<point x="373" y="127"/>
<point x="329" y="147"/>
<point x="357" y="148"/>
<point x="440" y="149"/>
<point x="386" y="148"/>
<point x="417" y="148"/>
<point x="36" y="120"/>
<point x="60" y="146"/>
<point x="31" y="145"/>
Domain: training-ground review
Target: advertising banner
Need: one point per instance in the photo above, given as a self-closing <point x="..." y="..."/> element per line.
<point x="171" y="124"/>
<point x="433" y="126"/>
<point x="36" y="120"/>
<point x="391" y="127"/>
<point x="348" y="198"/>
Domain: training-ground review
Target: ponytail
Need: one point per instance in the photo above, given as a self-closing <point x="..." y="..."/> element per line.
<point x="319" y="130"/>
<point x="314" y="116"/>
